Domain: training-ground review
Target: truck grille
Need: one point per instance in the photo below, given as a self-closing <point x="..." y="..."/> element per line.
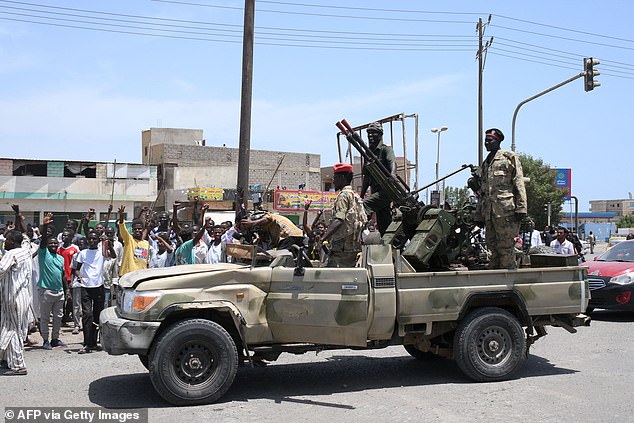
<point x="596" y="283"/>
<point x="384" y="283"/>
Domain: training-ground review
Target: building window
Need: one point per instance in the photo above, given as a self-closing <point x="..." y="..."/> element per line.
<point x="82" y="170"/>
<point x="30" y="168"/>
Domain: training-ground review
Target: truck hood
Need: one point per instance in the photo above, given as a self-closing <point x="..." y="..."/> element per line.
<point x="131" y="279"/>
<point x="609" y="268"/>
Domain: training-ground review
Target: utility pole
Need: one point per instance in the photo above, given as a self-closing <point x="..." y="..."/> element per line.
<point x="244" y="149"/>
<point x="480" y="71"/>
<point x="481" y="60"/>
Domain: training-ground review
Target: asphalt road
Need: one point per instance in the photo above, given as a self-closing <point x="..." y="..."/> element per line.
<point x="567" y="378"/>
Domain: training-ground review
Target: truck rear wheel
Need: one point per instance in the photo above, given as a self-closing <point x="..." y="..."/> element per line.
<point x="489" y="344"/>
<point x="193" y="362"/>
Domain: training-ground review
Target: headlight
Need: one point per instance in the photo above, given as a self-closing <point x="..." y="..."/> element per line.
<point x="137" y="302"/>
<point x="624" y="279"/>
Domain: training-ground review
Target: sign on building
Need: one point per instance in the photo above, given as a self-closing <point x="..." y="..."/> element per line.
<point x="208" y="194"/>
<point x="295" y="199"/>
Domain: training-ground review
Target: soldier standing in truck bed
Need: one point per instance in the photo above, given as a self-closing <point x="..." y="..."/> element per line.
<point x="502" y="202"/>
<point x="378" y="201"/>
<point x="348" y="221"/>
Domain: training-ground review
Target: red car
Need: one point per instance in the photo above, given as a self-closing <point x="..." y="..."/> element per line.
<point x="611" y="277"/>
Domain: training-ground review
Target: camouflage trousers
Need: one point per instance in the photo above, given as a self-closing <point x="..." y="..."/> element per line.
<point x="500" y="234"/>
<point x="380" y="205"/>
<point x="342" y="259"/>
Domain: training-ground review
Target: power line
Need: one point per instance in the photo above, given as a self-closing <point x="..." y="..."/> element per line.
<point x="360" y="8"/>
<point x="375" y="47"/>
<point x="562" y="38"/>
<point x="594" y="34"/>
<point x="576" y="57"/>
<point x="494" y="52"/>
<point x="126" y="23"/>
<point x="327" y="15"/>
<point x="561" y="51"/>
<point x="238" y="27"/>
<point x="293" y="37"/>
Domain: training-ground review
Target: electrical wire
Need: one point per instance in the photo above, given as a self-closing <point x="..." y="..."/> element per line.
<point x="562" y="38"/>
<point x="494" y="52"/>
<point x="376" y="47"/>
<point x="576" y="31"/>
<point x="327" y="15"/>
<point x="578" y="58"/>
<point x="309" y="38"/>
<point x="238" y="30"/>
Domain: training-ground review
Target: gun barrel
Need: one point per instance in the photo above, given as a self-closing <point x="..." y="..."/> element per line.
<point x="399" y="191"/>
<point x="463" y="167"/>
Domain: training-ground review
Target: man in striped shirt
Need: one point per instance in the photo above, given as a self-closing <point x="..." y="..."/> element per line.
<point x="15" y="277"/>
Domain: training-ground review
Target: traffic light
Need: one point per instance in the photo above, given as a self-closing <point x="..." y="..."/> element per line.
<point x="590" y="73"/>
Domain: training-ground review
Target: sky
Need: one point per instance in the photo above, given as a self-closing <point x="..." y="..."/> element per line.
<point x="81" y="79"/>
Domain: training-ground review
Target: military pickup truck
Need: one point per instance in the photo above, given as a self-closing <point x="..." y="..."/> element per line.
<point x="192" y="326"/>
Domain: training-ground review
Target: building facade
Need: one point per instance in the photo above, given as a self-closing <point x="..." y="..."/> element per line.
<point x="69" y="188"/>
<point x="621" y="207"/>
<point x="185" y="162"/>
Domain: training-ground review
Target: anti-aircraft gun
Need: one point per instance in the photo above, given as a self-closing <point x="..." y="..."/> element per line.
<point x="438" y="237"/>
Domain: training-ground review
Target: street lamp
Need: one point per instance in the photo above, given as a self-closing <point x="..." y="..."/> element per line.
<point x="438" y="131"/>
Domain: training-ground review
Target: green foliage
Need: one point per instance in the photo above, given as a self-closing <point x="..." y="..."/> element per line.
<point x="456" y="196"/>
<point x="540" y="191"/>
<point x="626" y="221"/>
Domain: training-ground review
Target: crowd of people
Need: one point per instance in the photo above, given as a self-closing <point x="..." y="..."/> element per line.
<point x="49" y="279"/>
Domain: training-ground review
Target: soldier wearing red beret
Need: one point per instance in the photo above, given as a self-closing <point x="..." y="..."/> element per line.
<point x="349" y="219"/>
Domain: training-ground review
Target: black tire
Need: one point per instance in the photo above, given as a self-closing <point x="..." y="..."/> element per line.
<point x="421" y="355"/>
<point x="489" y="344"/>
<point x="589" y="310"/>
<point x="145" y="360"/>
<point x="193" y="362"/>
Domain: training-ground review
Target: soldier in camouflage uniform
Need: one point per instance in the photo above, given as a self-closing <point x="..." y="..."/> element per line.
<point x="378" y="201"/>
<point x="349" y="219"/>
<point x="502" y="202"/>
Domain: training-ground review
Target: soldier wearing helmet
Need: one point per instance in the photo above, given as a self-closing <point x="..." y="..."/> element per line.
<point x="502" y="200"/>
<point x="378" y="201"/>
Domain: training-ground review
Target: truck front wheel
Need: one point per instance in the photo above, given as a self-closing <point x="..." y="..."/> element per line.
<point x="193" y="362"/>
<point x="489" y="344"/>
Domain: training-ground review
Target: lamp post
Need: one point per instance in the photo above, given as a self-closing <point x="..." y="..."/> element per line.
<point x="438" y="131"/>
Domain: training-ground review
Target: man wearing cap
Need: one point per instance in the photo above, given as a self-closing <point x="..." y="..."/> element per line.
<point x="502" y="200"/>
<point x="378" y="201"/>
<point x="349" y="219"/>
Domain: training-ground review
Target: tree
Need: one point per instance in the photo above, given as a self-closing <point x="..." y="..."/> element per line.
<point x="540" y="191"/>
<point x="626" y="221"/>
<point x="456" y="196"/>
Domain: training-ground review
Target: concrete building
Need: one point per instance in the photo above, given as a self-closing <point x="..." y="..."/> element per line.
<point x="621" y="207"/>
<point x="69" y="188"/>
<point x="185" y="162"/>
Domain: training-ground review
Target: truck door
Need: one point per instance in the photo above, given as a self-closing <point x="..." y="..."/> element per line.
<point x="322" y="306"/>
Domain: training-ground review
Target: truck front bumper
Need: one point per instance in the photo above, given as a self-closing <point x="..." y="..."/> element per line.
<point x="123" y="336"/>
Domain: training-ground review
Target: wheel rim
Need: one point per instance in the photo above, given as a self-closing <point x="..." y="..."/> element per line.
<point x="494" y="345"/>
<point x="195" y="363"/>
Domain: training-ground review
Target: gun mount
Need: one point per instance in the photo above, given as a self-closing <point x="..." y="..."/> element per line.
<point x="429" y="237"/>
